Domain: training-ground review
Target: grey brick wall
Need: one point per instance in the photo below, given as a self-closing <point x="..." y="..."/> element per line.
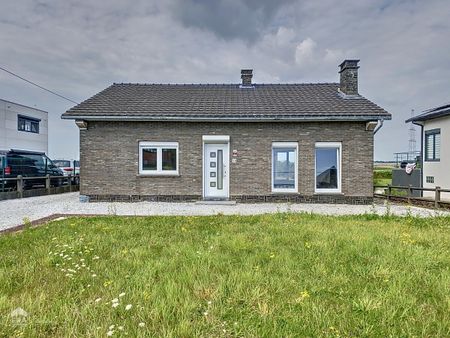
<point x="109" y="158"/>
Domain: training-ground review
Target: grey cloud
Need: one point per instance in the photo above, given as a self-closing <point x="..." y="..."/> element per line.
<point x="229" y="19"/>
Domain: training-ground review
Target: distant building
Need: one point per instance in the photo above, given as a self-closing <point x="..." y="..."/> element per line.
<point x="23" y="127"/>
<point x="435" y="125"/>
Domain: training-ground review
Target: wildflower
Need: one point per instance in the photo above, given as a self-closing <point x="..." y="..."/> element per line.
<point x="307" y="245"/>
<point x="97" y="300"/>
<point x="112" y="327"/>
<point x="209" y="302"/>
<point x="128" y="307"/>
<point x="94" y="275"/>
<point x="110" y="333"/>
<point x="141" y="324"/>
<point x="115" y="300"/>
<point x="120" y="328"/>
<point x="272" y="255"/>
<point x="115" y="305"/>
<point x="303" y="295"/>
<point x="122" y="294"/>
<point x="96" y="257"/>
<point x="205" y="313"/>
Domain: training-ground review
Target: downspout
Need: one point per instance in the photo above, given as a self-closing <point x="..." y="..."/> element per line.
<point x="379" y="126"/>
<point x="421" y="154"/>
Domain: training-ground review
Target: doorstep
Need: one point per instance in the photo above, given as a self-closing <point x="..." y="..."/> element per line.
<point x="216" y="202"/>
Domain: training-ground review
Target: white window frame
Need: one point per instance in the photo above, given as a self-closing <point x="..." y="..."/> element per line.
<point x="284" y="145"/>
<point x="159" y="146"/>
<point x="337" y="145"/>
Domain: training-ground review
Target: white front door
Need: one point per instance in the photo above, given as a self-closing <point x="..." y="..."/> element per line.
<point x="215" y="174"/>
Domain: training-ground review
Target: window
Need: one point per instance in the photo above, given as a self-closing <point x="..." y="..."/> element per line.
<point x="158" y="158"/>
<point x="284" y="166"/>
<point x="328" y="167"/>
<point x="28" y="124"/>
<point x="433" y="145"/>
<point x="430" y="179"/>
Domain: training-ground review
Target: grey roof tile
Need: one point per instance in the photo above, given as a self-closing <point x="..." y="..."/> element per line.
<point x="264" y="101"/>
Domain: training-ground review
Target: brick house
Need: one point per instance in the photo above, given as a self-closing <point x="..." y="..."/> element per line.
<point x="244" y="142"/>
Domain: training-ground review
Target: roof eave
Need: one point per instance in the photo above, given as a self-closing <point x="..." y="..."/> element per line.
<point x="423" y="118"/>
<point x="161" y="118"/>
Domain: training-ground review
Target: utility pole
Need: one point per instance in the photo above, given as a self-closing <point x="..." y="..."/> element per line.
<point x="412" y="140"/>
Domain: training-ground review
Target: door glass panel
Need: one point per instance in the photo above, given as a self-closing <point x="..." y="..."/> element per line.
<point x="212" y="174"/>
<point x="284" y="168"/>
<point x="169" y="159"/>
<point x="149" y="159"/>
<point x="212" y="154"/>
<point x="219" y="169"/>
<point x="212" y="184"/>
<point x="326" y="168"/>
<point x="212" y="164"/>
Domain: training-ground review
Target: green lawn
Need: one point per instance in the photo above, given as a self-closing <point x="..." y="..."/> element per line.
<point x="224" y="276"/>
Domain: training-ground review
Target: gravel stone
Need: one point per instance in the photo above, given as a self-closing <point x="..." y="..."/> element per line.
<point x="17" y="211"/>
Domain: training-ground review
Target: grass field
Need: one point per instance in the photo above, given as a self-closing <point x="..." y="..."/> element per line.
<point x="224" y="276"/>
<point x="382" y="176"/>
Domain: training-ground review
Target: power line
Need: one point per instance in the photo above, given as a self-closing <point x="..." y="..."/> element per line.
<point x="35" y="84"/>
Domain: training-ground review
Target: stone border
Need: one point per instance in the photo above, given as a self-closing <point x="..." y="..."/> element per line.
<point x="44" y="220"/>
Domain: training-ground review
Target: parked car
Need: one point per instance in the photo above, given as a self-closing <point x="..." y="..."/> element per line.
<point x="69" y="167"/>
<point x="28" y="164"/>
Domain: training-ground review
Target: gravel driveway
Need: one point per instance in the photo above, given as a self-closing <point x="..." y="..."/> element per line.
<point x="14" y="212"/>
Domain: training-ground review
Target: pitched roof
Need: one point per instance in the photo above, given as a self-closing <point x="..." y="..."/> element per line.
<point x="204" y="102"/>
<point x="432" y="113"/>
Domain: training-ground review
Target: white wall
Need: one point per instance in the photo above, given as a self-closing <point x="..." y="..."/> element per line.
<point x="440" y="170"/>
<point x="11" y="138"/>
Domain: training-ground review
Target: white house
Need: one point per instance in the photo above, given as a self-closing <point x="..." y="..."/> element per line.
<point x="435" y="124"/>
<point x="23" y="127"/>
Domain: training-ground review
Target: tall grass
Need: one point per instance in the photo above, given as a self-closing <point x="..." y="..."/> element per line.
<point x="224" y="276"/>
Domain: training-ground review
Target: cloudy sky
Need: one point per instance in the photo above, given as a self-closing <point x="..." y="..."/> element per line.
<point x="78" y="48"/>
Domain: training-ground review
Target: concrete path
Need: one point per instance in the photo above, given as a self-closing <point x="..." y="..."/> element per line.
<point x="19" y="211"/>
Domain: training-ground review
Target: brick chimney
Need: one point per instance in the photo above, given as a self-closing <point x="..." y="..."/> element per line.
<point x="246" y="76"/>
<point x="349" y="77"/>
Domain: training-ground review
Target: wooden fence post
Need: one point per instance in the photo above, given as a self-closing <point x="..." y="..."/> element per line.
<point x="47" y="183"/>
<point x="20" y="185"/>
<point x="437" y="196"/>
<point x="409" y="193"/>
<point x="70" y="182"/>
<point x="389" y="189"/>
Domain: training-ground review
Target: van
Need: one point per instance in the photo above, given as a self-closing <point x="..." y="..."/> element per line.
<point x="28" y="164"/>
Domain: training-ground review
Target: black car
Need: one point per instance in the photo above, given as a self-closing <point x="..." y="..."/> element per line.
<point x="28" y="164"/>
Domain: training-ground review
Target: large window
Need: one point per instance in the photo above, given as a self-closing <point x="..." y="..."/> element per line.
<point x="328" y="167"/>
<point x="158" y="158"/>
<point x="284" y="166"/>
<point x="433" y="145"/>
<point x="28" y="124"/>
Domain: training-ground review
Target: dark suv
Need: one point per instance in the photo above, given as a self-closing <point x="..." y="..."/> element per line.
<point x="28" y="164"/>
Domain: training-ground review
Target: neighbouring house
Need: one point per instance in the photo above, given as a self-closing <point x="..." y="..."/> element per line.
<point x="23" y="127"/>
<point x="245" y="142"/>
<point x="435" y="158"/>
